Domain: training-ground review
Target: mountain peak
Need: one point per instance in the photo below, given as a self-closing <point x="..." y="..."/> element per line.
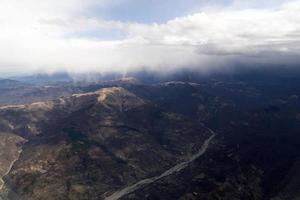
<point x="120" y="98"/>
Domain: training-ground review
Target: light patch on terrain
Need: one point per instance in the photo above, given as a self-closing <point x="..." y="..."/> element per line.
<point x="33" y="106"/>
<point x="12" y="107"/>
<point x="84" y="94"/>
<point x="114" y="98"/>
<point x="10" y="149"/>
<point x="118" y="97"/>
<point x="41" y="105"/>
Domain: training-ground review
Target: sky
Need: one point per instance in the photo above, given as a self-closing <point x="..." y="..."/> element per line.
<point x="161" y="35"/>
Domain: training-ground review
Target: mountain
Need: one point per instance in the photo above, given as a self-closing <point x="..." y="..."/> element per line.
<point x="13" y="92"/>
<point x="9" y="83"/>
<point x="44" y="78"/>
<point x="128" y="139"/>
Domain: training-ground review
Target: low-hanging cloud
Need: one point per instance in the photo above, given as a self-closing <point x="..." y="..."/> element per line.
<point x="47" y="37"/>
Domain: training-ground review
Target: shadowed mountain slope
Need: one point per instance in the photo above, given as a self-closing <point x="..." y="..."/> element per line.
<point x="91" y="144"/>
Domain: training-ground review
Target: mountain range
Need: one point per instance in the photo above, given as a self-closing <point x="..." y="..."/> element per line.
<point x="133" y="139"/>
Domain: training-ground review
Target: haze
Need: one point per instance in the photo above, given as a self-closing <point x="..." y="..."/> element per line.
<point x="122" y="35"/>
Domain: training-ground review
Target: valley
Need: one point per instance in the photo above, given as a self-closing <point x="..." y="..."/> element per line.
<point x="175" y="169"/>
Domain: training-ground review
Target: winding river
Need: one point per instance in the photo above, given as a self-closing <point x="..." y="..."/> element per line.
<point x="8" y="170"/>
<point x="143" y="183"/>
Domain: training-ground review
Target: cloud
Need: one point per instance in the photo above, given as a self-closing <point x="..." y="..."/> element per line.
<point x="46" y="36"/>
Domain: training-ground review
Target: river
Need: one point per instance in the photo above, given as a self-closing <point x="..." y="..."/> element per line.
<point x="143" y="183"/>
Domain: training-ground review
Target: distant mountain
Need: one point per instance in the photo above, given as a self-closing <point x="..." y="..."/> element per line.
<point x="45" y="78"/>
<point x="9" y="83"/>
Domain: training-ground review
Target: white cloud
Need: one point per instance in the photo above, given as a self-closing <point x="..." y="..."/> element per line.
<point x="34" y="38"/>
